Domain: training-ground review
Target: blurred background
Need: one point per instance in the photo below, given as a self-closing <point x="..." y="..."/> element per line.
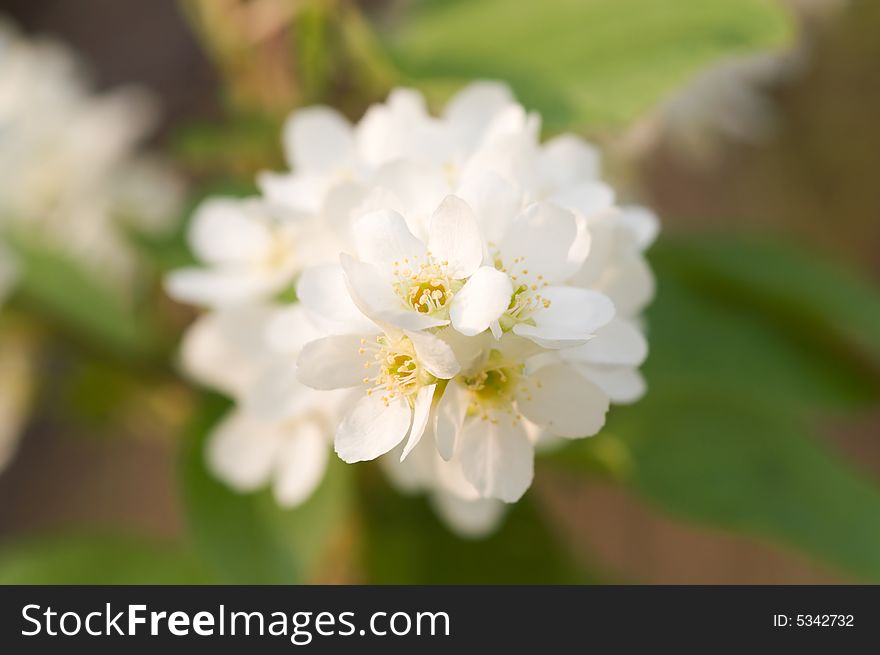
<point x="749" y="126"/>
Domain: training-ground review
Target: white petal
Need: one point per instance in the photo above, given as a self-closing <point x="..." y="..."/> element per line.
<point x="448" y="419"/>
<point x="520" y="349"/>
<point x="419" y="188"/>
<point x="623" y="385"/>
<point x="566" y="160"/>
<point x="277" y="392"/>
<point x="241" y="451"/>
<point x="401" y="128"/>
<point x="540" y="238"/>
<point x="416" y="472"/>
<point x="373" y="295"/>
<point x="572" y="316"/>
<point x="482" y="300"/>
<point x="371" y="428"/>
<point x="580" y="248"/>
<point x="471" y="519"/>
<point x="560" y="399"/>
<point x="601" y="256"/>
<point x="468" y="351"/>
<point x="300" y="191"/>
<point x="383" y="239"/>
<point x="225" y="349"/>
<point x="642" y="223"/>
<point x="288" y="329"/>
<point x="421" y="412"/>
<point x="302" y="460"/>
<point x="324" y="291"/>
<point x="630" y="285"/>
<point x="454" y="237"/>
<point x="619" y="342"/>
<point x="587" y="198"/>
<point x="318" y="139"/>
<point x="331" y="363"/>
<point x="475" y="105"/>
<point x="228" y="230"/>
<point x="494" y="201"/>
<point x="223" y="287"/>
<point x="434" y="354"/>
<point x="497" y="458"/>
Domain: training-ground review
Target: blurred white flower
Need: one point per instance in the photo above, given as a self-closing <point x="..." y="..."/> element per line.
<point x="248" y="247"/>
<point x="284" y="443"/>
<point x="69" y="173"/>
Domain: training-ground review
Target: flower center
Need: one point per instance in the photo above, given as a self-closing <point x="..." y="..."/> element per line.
<point x="494" y="386"/>
<point x="525" y="298"/>
<point x="426" y="287"/>
<point x="396" y="371"/>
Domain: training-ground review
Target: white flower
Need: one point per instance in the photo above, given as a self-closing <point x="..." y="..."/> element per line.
<point x="402" y="281"/>
<point x="69" y="173"/>
<point x="399" y="372"/>
<point x="616" y="264"/>
<point x="286" y="445"/>
<point x="489" y="414"/>
<point x="611" y="359"/>
<point x="537" y="251"/>
<point x="249" y="249"/>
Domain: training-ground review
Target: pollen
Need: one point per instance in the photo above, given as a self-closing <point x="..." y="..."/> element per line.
<point x="397" y="372"/>
<point x="427" y="288"/>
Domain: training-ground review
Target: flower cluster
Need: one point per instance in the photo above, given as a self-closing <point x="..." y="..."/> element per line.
<point x="465" y="293"/>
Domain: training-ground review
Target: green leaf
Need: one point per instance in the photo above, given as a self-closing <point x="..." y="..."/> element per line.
<point x="804" y="291"/>
<point x="238" y="148"/>
<point x="64" y="290"/>
<point x="701" y="333"/>
<point x="582" y="63"/>
<point x="248" y="538"/>
<point x="404" y="543"/>
<point x="97" y="560"/>
<point x="747" y="350"/>
<point x="742" y="466"/>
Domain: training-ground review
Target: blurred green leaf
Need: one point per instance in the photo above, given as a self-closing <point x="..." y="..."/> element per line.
<point x="64" y="290"/>
<point x="736" y="464"/>
<point x="750" y="342"/>
<point x="701" y="333"/>
<point x="248" y="538"/>
<point x="582" y="63"/>
<point x="236" y="148"/>
<point x="406" y="544"/>
<point x="805" y="291"/>
<point x="97" y="560"/>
